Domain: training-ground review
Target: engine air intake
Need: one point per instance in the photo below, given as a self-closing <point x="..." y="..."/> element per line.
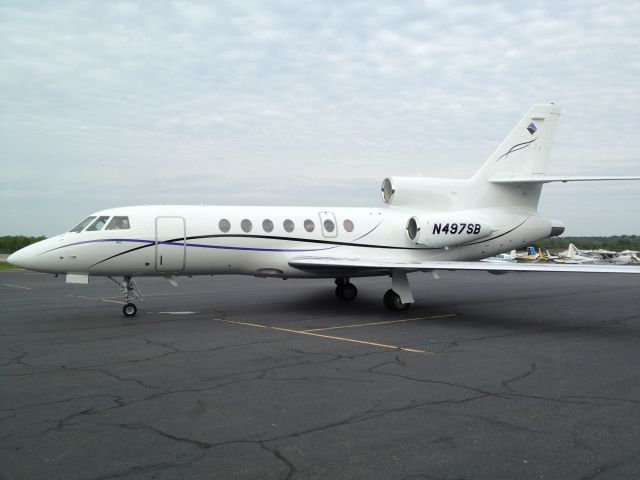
<point x="413" y="228"/>
<point x="387" y="190"/>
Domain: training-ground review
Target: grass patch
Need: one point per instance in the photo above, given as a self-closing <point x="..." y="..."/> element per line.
<point x="8" y="266"/>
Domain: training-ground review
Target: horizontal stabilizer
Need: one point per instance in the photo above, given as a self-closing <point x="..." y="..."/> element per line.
<point x="361" y="265"/>
<point x="548" y="179"/>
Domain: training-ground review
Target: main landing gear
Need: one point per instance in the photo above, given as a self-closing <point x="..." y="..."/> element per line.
<point x="131" y="291"/>
<point x="393" y="301"/>
<point x="345" y="290"/>
<point x="397" y="299"/>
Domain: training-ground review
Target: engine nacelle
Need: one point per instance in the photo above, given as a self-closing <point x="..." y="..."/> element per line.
<point x="405" y="191"/>
<point x="447" y="230"/>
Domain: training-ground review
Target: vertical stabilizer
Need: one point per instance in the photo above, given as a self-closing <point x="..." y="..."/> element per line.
<point x="526" y="150"/>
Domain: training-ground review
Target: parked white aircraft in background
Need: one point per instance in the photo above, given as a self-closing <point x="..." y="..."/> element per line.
<point x="429" y="224"/>
<point x="575" y="255"/>
<point x="627" y="257"/>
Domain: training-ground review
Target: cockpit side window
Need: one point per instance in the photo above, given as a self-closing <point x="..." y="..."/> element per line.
<point x="98" y="224"/>
<point x="119" y="223"/>
<point x="81" y="226"/>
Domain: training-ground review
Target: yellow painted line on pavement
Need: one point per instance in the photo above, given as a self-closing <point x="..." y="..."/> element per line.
<point x="96" y="298"/>
<point x="110" y="301"/>
<point x="356" y="325"/>
<point x="22" y="271"/>
<point x="242" y="323"/>
<point x="16" y="286"/>
<point x="329" y="337"/>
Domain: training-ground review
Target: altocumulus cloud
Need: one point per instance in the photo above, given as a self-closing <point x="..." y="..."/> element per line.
<point x="115" y="103"/>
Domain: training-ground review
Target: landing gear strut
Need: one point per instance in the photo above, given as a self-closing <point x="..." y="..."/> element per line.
<point x="345" y="290"/>
<point x="131" y="291"/>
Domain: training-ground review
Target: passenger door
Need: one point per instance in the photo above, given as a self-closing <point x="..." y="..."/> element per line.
<point x="171" y="245"/>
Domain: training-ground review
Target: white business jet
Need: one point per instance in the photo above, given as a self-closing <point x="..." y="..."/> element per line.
<point x="429" y="224"/>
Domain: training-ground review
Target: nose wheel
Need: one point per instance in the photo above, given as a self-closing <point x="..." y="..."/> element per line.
<point x="129" y="310"/>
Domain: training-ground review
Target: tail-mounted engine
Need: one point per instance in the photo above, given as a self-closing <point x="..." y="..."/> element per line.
<point x="406" y="191"/>
<point x="447" y="230"/>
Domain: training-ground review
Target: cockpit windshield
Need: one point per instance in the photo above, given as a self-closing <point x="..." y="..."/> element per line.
<point x="118" y="223"/>
<point x="98" y="224"/>
<point x="81" y="226"/>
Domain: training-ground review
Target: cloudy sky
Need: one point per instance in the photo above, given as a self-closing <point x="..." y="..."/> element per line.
<point x="106" y="104"/>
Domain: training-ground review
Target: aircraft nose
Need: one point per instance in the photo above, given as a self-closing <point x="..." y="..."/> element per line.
<point x="18" y="259"/>
<point x="30" y="257"/>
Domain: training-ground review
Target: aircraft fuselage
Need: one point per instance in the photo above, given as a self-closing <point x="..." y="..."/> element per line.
<point x="205" y="240"/>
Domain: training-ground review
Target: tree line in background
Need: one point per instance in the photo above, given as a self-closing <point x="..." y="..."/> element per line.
<point x="13" y="243"/>
<point x="10" y="244"/>
<point x="617" y="243"/>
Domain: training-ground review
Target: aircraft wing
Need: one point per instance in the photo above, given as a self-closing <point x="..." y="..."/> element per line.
<point x="557" y="178"/>
<point x="363" y="265"/>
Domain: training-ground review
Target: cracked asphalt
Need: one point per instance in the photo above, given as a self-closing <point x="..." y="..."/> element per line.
<point x="485" y="377"/>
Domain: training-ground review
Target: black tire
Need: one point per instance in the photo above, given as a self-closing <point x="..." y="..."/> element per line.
<point x="129" y="310"/>
<point x="393" y="302"/>
<point x="347" y="292"/>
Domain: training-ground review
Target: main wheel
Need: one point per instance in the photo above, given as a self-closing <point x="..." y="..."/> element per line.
<point x="129" y="310"/>
<point x="346" y="292"/>
<point x="393" y="302"/>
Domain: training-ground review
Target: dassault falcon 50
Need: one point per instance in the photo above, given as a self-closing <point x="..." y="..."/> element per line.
<point x="428" y="224"/>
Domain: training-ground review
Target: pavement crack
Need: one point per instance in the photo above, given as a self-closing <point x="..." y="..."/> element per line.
<point x="160" y="344"/>
<point x="117" y="377"/>
<point x="277" y="454"/>
<point x="505" y="384"/>
<point x="608" y="466"/>
<point x="138" y="469"/>
<point x="18" y="359"/>
<point x="608" y="399"/>
<point x="141" y="426"/>
<point x="56" y="402"/>
<point x="506" y="396"/>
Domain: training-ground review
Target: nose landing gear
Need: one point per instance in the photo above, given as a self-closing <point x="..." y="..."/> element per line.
<point x="131" y="291"/>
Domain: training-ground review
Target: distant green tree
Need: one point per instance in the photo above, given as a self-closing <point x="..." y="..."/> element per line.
<point x="13" y="243"/>
<point x="617" y="243"/>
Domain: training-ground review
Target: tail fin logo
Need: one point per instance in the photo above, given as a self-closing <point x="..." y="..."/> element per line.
<point x="532" y="128"/>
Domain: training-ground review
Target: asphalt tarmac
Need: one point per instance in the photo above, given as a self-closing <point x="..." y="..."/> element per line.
<point x="527" y="376"/>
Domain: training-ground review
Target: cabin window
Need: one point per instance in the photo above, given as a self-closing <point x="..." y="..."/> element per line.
<point x="329" y="226"/>
<point x="267" y="225"/>
<point x="309" y="226"/>
<point x="246" y="225"/>
<point x="81" y="226"/>
<point x="119" y="223"/>
<point x="98" y="224"/>
<point x="288" y="225"/>
<point x="348" y="225"/>
<point x="224" y="225"/>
